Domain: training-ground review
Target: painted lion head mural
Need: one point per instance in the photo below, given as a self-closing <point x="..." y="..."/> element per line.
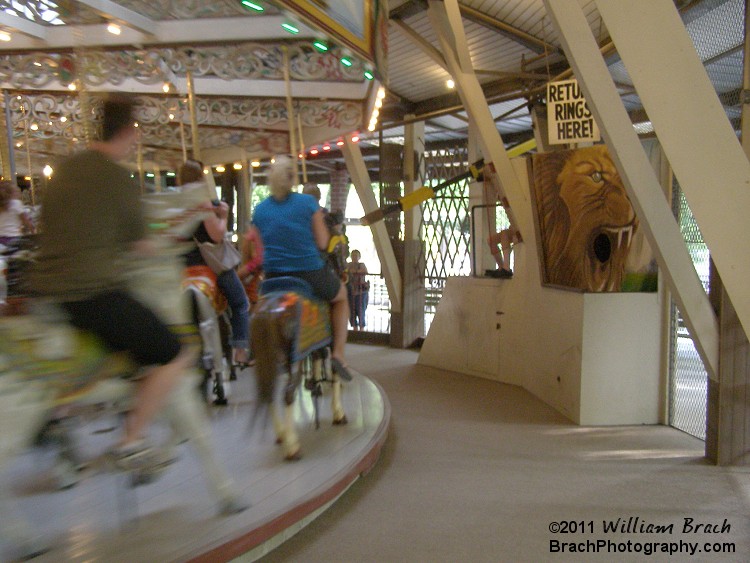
<point x="586" y="220"/>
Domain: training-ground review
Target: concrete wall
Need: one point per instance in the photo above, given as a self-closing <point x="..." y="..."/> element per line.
<point x="593" y="357"/>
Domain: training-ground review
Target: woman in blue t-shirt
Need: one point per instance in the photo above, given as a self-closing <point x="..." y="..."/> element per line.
<point x="293" y="230"/>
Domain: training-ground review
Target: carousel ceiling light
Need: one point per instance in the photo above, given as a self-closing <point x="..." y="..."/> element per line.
<point x="34" y="127"/>
<point x="72" y="86"/>
<point x="4" y="36"/>
<point x="314" y="151"/>
<point x="355" y="138"/>
<point x="220" y="169"/>
<point x="251" y="5"/>
<point x="290" y="28"/>
<point x="326" y="147"/>
<point x="255" y="163"/>
<point x="346" y="61"/>
<point x="369" y="75"/>
<point x="450" y="84"/>
<point x="320" y="45"/>
<point x="47" y="170"/>
<point x="340" y="143"/>
<point x="237" y="166"/>
<point x="114" y="29"/>
<point x="63" y="119"/>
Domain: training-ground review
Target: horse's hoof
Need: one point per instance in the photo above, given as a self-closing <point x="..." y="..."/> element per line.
<point x="296" y="456"/>
<point x="230" y="506"/>
<point x="341" y="421"/>
<point x="221" y="402"/>
<point x="340" y="369"/>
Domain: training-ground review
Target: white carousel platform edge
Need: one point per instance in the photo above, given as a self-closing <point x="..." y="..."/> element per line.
<point x="265" y="536"/>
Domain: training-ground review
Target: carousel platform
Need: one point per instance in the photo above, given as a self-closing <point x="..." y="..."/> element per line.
<point x="175" y="518"/>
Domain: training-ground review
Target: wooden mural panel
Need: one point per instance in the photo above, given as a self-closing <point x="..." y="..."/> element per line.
<point x="589" y="233"/>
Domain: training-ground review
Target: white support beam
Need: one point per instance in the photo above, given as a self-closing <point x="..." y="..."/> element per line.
<point x="640" y="181"/>
<point x="355" y="165"/>
<point x="453" y="35"/>
<point x="413" y="171"/>
<point x="472" y="96"/>
<point x="23" y="25"/>
<point x="112" y="11"/>
<point x="419" y="41"/>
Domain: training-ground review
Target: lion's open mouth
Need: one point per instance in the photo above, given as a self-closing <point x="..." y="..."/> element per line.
<point x="606" y="240"/>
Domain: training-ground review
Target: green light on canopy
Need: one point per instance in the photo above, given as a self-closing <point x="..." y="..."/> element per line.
<point x="320" y="45"/>
<point x="290" y="28"/>
<point x="369" y="75"/>
<point x="251" y="5"/>
<point x="346" y="61"/>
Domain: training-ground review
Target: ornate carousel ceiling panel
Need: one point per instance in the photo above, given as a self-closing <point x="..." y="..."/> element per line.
<point x="58" y="66"/>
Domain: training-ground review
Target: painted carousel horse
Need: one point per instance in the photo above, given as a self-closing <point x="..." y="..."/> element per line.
<point x="48" y="368"/>
<point x="290" y="327"/>
<point x="209" y="310"/>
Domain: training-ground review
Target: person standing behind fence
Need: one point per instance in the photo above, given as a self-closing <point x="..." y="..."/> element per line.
<point x="359" y="290"/>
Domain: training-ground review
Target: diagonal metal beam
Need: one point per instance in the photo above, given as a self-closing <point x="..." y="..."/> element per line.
<point x="23" y="25"/>
<point x="513" y="33"/>
<point x="355" y="165"/>
<point x="426" y="48"/>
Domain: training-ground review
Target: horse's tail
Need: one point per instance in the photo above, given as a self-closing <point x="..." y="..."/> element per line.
<point x="264" y="337"/>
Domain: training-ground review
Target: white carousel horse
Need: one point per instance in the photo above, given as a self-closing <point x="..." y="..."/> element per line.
<point x="288" y="326"/>
<point x="209" y="312"/>
<point x="45" y="364"/>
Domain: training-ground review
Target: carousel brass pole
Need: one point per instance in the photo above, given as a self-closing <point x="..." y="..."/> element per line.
<point x="302" y="149"/>
<point x="28" y="154"/>
<point x="182" y="140"/>
<point x="246" y="189"/>
<point x="290" y="115"/>
<point x="157" y="178"/>
<point x="193" y="116"/>
<point x="9" y="161"/>
<point x="139" y="160"/>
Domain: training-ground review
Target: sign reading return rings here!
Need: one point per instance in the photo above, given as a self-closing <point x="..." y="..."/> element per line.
<point x="569" y="119"/>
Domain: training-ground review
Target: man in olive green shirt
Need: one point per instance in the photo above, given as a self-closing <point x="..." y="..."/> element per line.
<point x="91" y="216"/>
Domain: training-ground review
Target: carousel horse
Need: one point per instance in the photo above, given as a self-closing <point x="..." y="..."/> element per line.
<point x="48" y="368"/>
<point x="289" y="326"/>
<point x="209" y="310"/>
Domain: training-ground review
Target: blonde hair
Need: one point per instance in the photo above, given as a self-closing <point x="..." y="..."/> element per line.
<point x="280" y="177"/>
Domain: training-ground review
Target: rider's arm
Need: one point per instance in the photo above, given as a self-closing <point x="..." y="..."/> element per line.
<point x="28" y="224"/>
<point x="252" y="252"/>
<point x="216" y="224"/>
<point x="320" y="230"/>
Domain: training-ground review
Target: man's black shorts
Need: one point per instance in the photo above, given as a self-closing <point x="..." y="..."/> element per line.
<point x="124" y="324"/>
